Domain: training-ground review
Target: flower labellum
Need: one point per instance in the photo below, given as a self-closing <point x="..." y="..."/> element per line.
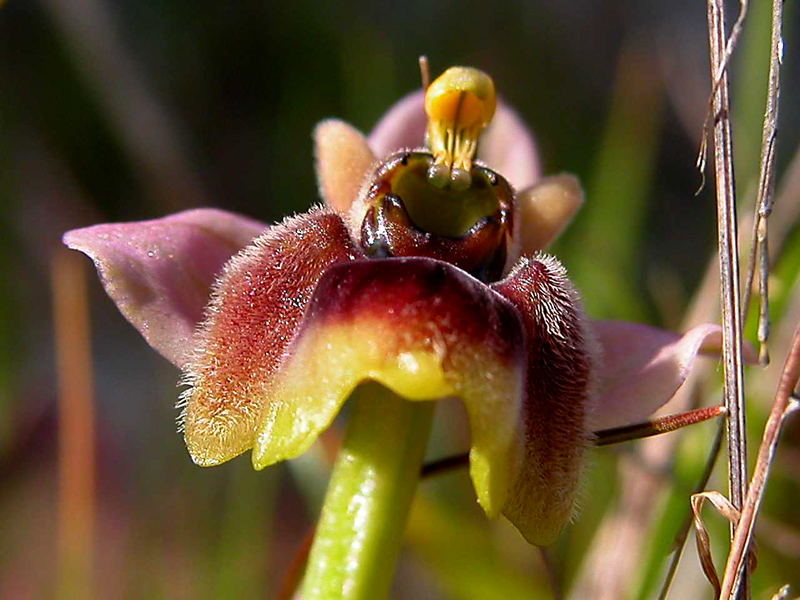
<point x="423" y="273"/>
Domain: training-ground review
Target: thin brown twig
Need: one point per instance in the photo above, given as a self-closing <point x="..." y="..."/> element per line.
<point x="729" y="264"/>
<point x="603" y="437"/>
<point x="717" y="76"/>
<point x="638" y="431"/>
<point x="782" y="406"/>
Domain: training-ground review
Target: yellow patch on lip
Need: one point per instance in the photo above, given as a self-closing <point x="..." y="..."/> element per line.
<point x="414" y="375"/>
<point x="326" y="365"/>
<point x="331" y="359"/>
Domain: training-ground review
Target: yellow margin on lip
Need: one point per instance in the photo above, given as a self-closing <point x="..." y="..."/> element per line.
<point x="330" y="361"/>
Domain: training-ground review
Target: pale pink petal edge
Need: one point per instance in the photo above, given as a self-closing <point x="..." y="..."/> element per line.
<point x="402" y="126"/>
<point x="508" y="146"/>
<point x="642" y="367"/>
<point x="159" y="272"/>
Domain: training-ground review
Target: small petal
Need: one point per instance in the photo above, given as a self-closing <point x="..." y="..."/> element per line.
<point x="422" y="328"/>
<point x="559" y="378"/>
<point x="642" y="367"/>
<point x="159" y="273"/>
<point x="343" y="161"/>
<point x="508" y="147"/>
<point x="545" y="209"/>
<point x="255" y="307"/>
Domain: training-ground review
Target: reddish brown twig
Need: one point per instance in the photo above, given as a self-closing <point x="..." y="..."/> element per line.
<point x="604" y="437"/>
<point x="618" y="435"/>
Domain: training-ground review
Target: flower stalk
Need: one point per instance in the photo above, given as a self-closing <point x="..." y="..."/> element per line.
<point x="369" y="496"/>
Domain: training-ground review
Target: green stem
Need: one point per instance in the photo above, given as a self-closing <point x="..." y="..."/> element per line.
<point x="369" y="496"/>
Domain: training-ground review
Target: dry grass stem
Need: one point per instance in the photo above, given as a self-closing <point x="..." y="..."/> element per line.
<point x="729" y="262"/>
<point x="783" y="405"/>
<point x="704" y="307"/>
<point x="632" y="513"/>
<point x="766" y="186"/>
<point x="718" y="74"/>
<point x="717" y="77"/>
<point x="727" y="510"/>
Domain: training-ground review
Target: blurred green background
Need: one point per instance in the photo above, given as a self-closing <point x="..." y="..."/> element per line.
<point x="128" y="110"/>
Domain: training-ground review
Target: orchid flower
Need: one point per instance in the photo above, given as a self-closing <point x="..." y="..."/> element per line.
<point x="423" y="274"/>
